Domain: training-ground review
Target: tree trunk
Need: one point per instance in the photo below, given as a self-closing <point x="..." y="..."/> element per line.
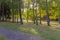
<point x="40" y="17"/>
<point x="36" y="15"/>
<point x="21" y="22"/>
<point x="59" y="20"/>
<point x="48" y="20"/>
<point x="33" y="14"/>
<point x="17" y="15"/>
<point x="59" y="17"/>
<point x="27" y="15"/>
<point x="20" y="12"/>
<point x="12" y="13"/>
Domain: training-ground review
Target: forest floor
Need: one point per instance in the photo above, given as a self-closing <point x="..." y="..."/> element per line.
<point x="41" y="31"/>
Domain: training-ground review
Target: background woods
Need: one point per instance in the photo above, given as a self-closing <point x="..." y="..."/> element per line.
<point x="30" y="10"/>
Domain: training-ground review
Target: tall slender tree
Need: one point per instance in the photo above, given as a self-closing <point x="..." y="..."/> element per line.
<point x="36" y="14"/>
<point x="5" y="10"/>
<point x="48" y="20"/>
<point x="59" y="17"/>
<point x="20" y="7"/>
<point x="39" y="10"/>
<point x="12" y="10"/>
<point x="59" y="11"/>
<point x="33" y="2"/>
<point x="27" y="10"/>
<point x="40" y="17"/>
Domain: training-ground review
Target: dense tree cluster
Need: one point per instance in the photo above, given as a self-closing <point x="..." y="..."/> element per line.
<point x="4" y="11"/>
<point x="35" y="10"/>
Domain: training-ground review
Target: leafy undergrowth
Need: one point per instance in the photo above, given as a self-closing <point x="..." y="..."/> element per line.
<point x="43" y="31"/>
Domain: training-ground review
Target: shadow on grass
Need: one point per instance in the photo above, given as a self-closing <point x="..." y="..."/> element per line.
<point x="43" y="31"/>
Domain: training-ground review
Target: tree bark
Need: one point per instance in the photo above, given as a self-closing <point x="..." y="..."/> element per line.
<point x="36" y="15"/>
<point x="40" y="17"/>
<point x="33" y="14"/>
<point x="27" y="15"/>
<point x="20" y="12"/>
<point x="21" y="22"/>
<point x="48" y="20"/>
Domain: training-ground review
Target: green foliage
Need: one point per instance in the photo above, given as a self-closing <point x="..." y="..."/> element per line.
<point x="53" y="7"/>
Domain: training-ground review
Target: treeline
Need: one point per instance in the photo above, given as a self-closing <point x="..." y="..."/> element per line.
<point x="35" y="10"/>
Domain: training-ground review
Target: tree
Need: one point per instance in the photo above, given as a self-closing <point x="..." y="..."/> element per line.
<point x="0" y="14"/>
<point x="40" y="17"/>
<point x="33" y="2"/>
<point x="48" y="20"/>
<point x="39" y="9"/>
<point x="12" y="11"/>
<point x="58" y="1"/>
<point x="20" y="7"/>
<point x="5" y="11"/>
<point x="36" y="17"/>
<point x="27" y="10"/>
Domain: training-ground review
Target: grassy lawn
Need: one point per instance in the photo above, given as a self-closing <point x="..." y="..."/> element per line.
<point x="49" y="33"/>
<point x="2" y="37"/>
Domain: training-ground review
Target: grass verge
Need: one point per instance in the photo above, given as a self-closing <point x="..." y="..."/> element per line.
<point x="43" y="31"/>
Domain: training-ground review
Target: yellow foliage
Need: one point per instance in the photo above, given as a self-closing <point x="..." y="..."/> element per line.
<point x="54" y="4"/>
<point x="51" y="17"/>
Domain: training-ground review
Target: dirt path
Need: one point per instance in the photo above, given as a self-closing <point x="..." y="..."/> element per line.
<point x="14" y="35"/>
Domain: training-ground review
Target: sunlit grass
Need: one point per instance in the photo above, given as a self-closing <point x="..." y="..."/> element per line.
<point x="49" y="33"/>
<point x="28" y="30"/>
<point x="22" y="28"/>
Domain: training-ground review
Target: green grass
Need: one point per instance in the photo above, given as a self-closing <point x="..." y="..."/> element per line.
<point x="50" y="34"/>
<point x="2" y="37"/>
<point x="43" y="31"/>
<point x="23" y="28"/>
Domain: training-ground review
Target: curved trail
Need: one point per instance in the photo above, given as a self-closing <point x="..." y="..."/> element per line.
<point x="14" y="35"/>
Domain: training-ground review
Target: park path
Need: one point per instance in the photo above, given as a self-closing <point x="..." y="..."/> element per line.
<point x="14" y="35"/>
